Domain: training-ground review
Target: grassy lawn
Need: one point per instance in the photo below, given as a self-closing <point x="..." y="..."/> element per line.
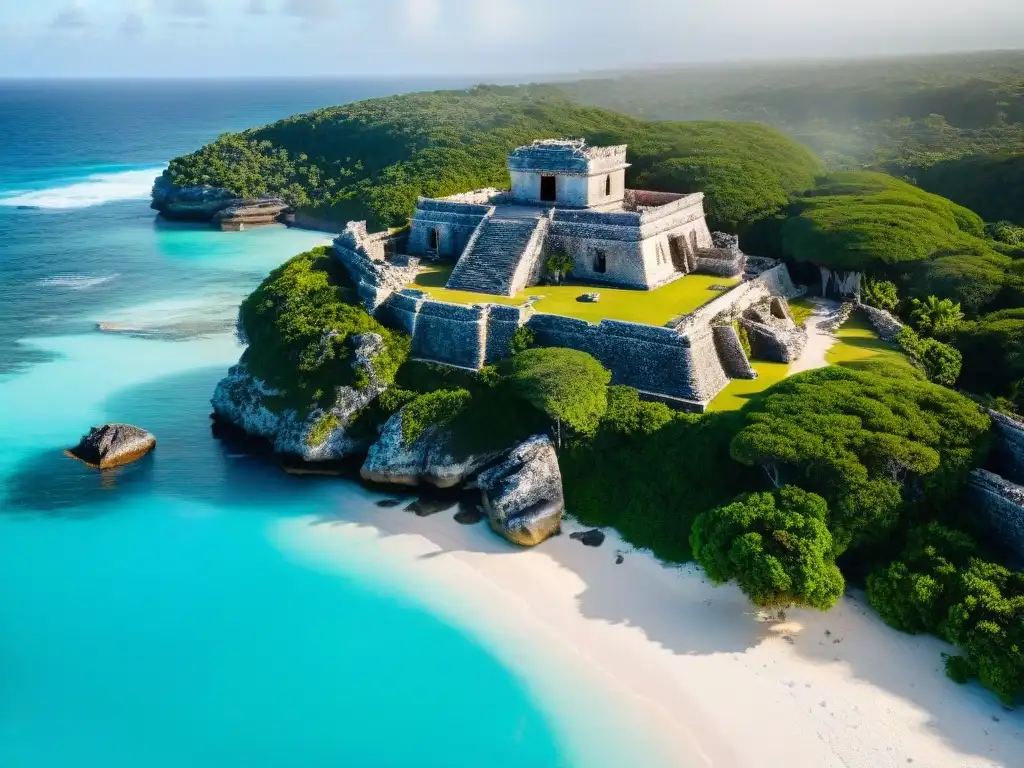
<point x="657" y="307"/>
<point x="856" y="341"/>
<point x="801" y="308"/>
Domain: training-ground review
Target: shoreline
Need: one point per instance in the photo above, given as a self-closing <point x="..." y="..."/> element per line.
<point x="701" y="678"/>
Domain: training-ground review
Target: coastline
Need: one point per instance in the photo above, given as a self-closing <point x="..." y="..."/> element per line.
<point x="706" y="680"/>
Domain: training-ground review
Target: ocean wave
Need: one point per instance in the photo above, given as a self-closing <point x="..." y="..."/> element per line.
<point x="95" y="189"/>
<point x="76" y="282"/>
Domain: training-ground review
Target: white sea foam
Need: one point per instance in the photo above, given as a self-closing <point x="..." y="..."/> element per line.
<point x="97" y="189"/>
<point x="76" y="282"/>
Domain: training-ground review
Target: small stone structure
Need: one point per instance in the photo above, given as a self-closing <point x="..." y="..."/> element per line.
<point x="1010" y="447"/>
<point x="1001" y="507"/>
<point x="772" y="332"/>
<point x="567" y="197"/>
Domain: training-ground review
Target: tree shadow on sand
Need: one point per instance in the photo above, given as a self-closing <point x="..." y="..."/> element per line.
<point x="721" y="621"/>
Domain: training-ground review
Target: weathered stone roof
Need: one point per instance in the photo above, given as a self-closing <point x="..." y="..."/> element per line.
<point x="566" y="156"/>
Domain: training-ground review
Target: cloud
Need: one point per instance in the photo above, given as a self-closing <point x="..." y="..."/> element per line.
<point x="191" y="9"/>
<point x="311" y="10"/>
<point x="72" y="17"/>
<point x="257" y="8"/>
<point x="132" y="25"/>
<point x="422" y="14"/>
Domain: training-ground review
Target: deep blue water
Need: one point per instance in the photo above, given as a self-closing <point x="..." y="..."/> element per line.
<point x="149" y="616"/>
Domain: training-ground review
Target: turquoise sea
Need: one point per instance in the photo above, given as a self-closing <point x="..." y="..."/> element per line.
<point x="149" y="616"/>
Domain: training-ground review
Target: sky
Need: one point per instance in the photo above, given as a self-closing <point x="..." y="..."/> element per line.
<point x="231" y="38"/>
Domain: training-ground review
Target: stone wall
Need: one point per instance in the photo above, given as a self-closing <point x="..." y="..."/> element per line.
<point x="1000" y="507"/>
<point x="531" y="263"/>
<point x="638" y="199"/>
<point x="451" y="334"/>
<point x="656" y="361"/>
<point x="727" y="307"/>
<point x="1010" y="447"/>
<point x="886" y="325"/>
<point x="730" y="353"/>
<point x="453" y="222"/>
<point x="372" y="265"/>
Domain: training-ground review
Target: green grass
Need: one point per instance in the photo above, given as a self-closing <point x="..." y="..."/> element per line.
<point x="802" y="309"/>
<point x="657" y="307"/>
<point x="858" y="341"/>
<point x="739" y="392"/>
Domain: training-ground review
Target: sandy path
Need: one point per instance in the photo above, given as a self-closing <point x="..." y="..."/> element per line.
<point x="691" y="667"/>
<point x="819" y="341"/>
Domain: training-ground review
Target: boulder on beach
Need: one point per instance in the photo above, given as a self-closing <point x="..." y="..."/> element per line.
<point x="523" y="494"/>
<point x="113" y="445"/>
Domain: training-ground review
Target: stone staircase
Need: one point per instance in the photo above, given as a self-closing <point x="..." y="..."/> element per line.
<point x="489" y="263"/>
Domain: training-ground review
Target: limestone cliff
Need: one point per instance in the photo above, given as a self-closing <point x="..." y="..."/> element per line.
<point x="190" y="203"/>
<point x="319" y="434"/>
<point x="429" y="460"/>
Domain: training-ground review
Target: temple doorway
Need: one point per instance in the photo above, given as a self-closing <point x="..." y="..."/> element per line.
<point x="548" y="189"/>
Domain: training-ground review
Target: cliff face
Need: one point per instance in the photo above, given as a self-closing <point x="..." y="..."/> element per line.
<point x="194" y="203"/>
<point x="319" y="435"/>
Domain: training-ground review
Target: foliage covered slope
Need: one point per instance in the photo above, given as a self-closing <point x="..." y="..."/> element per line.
<point x="913" y="116"/>
<point x="371" y="159"/>
<point x="864" y="221"/>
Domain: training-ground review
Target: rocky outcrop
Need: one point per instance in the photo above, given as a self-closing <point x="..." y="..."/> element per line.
<point x="113" y="445"/>
<point x="429" y="460"/>
<point x="251" y="213"/>
<point x="319" y="435"/>
<point x="1000" y="505"/>
<point x="190" y="203"/>
<point x="884" y="323"/>
<point x="523" y="494"/>
<point x="772" y="333"/>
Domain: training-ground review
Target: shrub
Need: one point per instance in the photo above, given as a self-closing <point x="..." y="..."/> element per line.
<point x="433" y="409"/>
<point x="1006" y="232"/>
<point x="569" y="386"/>
<point x="936" y="317"/>
<point x="776" y="546"/>
<point x="523" y="339"/>
<point x="880" y="294"/>
<point x="993" y="352"/>
<point x="940" y="362"/>
<point x="559" y="264"/>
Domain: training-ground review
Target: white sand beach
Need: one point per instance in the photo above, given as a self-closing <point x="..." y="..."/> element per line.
<point x="692" y="668"/>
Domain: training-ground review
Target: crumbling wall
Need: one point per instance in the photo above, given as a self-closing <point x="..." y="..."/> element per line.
<point x="653" y="360"/>
<point x="376" y="273"/>
<point x="1000" y="507"/>
<point x="886" y="325"/>
<point x="1010" y="447"/>
<point x="730" y="352"/>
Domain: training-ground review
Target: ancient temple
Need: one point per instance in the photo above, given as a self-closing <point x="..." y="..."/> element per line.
<point x="566" y="196"/>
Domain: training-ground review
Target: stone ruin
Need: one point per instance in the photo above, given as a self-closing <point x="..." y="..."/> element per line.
<point x="773" y="333"/>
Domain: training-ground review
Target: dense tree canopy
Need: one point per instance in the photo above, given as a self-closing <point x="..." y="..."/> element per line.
<point x="941" y="584"/>
<point x="299" y="324"/>
<point x="993" y="352"/>
<point x="860" y="439"/>
<point x="776" y="546"/>
<point x="370" y="160"/>
<point x="861" y="221"/>
<point x="568" y="385"/>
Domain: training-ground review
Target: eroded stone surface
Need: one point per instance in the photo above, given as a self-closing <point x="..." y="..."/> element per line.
<point x="429" y="460"/>
<point x="323" y="434"/>
<point x="1001" y="507"/>
<point x="523" y="494"/>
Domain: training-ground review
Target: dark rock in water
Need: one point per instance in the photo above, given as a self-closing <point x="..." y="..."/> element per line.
<point x="619" y="559"/>
<point x="592" y="538"/>
<point x="389" y="503"/>
<point x="113" y="445"/>
<point x="425" y="507"/>
<point x="523" y="494"/>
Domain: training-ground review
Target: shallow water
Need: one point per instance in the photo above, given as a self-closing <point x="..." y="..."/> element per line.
<point x="150" y="615"/>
